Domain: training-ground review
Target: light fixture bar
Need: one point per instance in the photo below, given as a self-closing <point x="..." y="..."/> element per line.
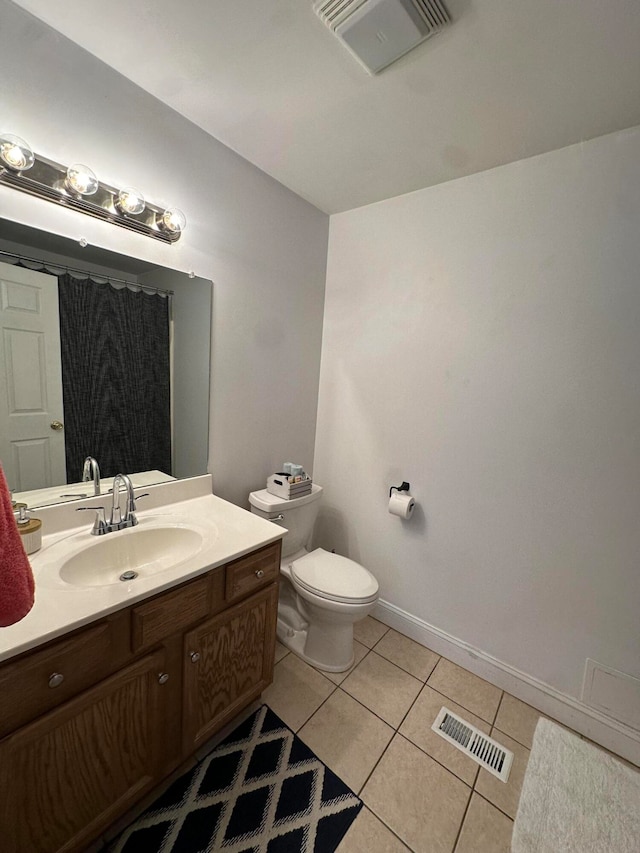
<point x="46" y="180"/>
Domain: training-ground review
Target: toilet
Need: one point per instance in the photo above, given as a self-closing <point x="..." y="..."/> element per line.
<point x="322" y="595"/>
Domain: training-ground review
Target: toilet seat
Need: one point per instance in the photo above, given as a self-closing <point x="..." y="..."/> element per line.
<point x="334" y="578"/>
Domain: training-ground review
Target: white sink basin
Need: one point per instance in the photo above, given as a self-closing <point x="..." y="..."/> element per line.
<point x="156" y="545"/>
<point x="143" y="551"/>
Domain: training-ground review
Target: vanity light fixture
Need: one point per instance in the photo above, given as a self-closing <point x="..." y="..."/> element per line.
<point x="15" y="153"/>
<point x="130" y="200"/>
<point x="78" y="188"/>
<point x="173" y="221"/>
<point x="81" y="180"/>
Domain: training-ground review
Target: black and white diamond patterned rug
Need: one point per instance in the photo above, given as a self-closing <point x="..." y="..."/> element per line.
<point x="261" y="790"/>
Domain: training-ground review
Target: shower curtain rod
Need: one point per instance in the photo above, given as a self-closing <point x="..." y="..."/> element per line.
<point x="86" y="272"/>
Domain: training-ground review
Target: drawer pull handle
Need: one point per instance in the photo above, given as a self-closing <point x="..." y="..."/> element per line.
<point x="195" y="657"/>
<point x="56" y="679"/>
<point x="259" y="573"/>
<point x="163" y="677"/>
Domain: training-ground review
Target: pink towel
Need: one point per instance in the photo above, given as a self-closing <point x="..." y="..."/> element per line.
<point x="16" y="577"/>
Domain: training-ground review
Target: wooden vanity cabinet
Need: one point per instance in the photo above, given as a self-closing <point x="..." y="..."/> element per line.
<point x="228" y="663"/>
<point x="182" y="665"/>
<point x="70" y="773"/>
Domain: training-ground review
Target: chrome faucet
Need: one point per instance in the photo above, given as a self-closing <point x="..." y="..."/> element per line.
<point x="91" y="471"/>
<point x="116" y="520"/>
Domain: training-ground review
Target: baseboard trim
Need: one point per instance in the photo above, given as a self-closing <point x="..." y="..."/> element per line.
<point x="598" y="727"/>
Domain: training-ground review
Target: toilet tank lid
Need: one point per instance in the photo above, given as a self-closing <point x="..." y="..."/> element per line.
<point x="264" y="500"/>
<point x="335" y="576"/>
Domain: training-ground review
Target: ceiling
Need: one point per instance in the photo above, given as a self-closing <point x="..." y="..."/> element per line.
<point x="507" y="80"/>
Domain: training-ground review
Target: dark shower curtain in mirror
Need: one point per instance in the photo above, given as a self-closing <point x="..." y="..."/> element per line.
<point x="115" y="377"/>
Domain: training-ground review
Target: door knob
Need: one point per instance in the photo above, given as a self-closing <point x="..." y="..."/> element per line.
<point x="195" y="657"/>
<point x="56" y="425"/>
<point x="163" y="677"/>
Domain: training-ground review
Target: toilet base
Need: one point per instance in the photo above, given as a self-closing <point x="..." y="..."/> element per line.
<point x="318" y="631"/>
<point x="304" y="646"/>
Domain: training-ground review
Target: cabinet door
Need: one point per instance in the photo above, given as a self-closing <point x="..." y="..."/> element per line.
<point x="228" y="663"/>
<point x="65" y="777"/>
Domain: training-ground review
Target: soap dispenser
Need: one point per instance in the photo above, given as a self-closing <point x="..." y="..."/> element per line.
<point x="30" y="530"/>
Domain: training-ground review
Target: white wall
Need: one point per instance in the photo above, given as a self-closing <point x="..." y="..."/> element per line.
<point x="482" y="341"/>
<point x="190" y="379"/>
<point x="263" y="247"/>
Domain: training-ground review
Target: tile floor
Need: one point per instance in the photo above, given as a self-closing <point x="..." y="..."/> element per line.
<point x="372" y="726"/>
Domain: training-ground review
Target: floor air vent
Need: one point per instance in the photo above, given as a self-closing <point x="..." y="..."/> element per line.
<point x="482" y="749"/>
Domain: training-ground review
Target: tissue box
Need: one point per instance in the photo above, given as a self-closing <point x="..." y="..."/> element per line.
<point x="279" y="485"/>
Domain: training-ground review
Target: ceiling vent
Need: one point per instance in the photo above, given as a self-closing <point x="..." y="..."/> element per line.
<point x="377" y="32"/>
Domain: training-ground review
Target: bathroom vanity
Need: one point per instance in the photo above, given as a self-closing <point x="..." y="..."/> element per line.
<point x="96" y="717"/>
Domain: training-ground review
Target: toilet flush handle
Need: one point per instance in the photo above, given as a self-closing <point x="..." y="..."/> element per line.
<point x="277" y="518"/>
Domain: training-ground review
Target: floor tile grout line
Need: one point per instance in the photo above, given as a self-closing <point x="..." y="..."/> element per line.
<point x="458" y="702"/>
<point x="326" y="699"/>
<point x="422" y="683"/>
<point x="487" y="800"/>
<point x="412" y="674"/>
<point x="511" y="737"/>
<point x="371" y="711"/>
<point x="409" y="708"/>
<point x="437" y="761"/>
<point x="340" y="683"/>
<point x="362" y="705"/>
<point x="396" y="731"/>
<point x="441" y="658"/>
<point x="424" y="680"/>
<point x="392" y="831"/>
<point x="464" y="817"/>
<point x="373" y="769"/>
<point x="503" y="693"/>
<point x="349" y="671"/>
<point x="444" y="766"/>
<point x="495" y="716"/>
<point x="471" y="789"/>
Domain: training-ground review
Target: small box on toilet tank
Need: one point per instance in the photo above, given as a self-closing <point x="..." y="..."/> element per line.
<point x="280" y="485"/>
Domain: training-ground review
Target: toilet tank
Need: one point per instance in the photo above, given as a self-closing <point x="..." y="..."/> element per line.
<point x="298" y="516"/>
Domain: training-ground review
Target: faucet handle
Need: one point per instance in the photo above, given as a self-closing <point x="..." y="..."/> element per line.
<point x="100" y="524"/>
<point x="131" y="514"/>
<point x="131" y="501"/>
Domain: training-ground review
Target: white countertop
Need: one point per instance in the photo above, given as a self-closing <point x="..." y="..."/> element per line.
<point x="228" y="532"/>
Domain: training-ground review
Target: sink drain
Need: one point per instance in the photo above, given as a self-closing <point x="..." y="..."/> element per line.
<point x="128" y="576"/>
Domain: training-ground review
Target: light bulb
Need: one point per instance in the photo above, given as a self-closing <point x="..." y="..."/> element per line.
<point x="16" y="153"/>
<point x="81" y="180"/>
<point x="130" y="200"/>
<point x="173" y="220"/>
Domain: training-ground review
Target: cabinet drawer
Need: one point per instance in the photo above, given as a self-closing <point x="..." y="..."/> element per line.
<point x="173" y="611"/>
<point x="253" y="571"/>
<point x="42" y="679"/>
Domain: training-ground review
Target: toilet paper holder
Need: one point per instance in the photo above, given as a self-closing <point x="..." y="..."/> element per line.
<point x="404" y="487"/>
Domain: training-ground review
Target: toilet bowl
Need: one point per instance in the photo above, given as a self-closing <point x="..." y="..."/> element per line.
<point x="322" y="594"/>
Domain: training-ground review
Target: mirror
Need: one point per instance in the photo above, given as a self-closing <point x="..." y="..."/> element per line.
<point x="39" y="464"/>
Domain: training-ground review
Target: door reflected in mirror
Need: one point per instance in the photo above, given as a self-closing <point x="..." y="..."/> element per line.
<point x="102" y="355"/>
